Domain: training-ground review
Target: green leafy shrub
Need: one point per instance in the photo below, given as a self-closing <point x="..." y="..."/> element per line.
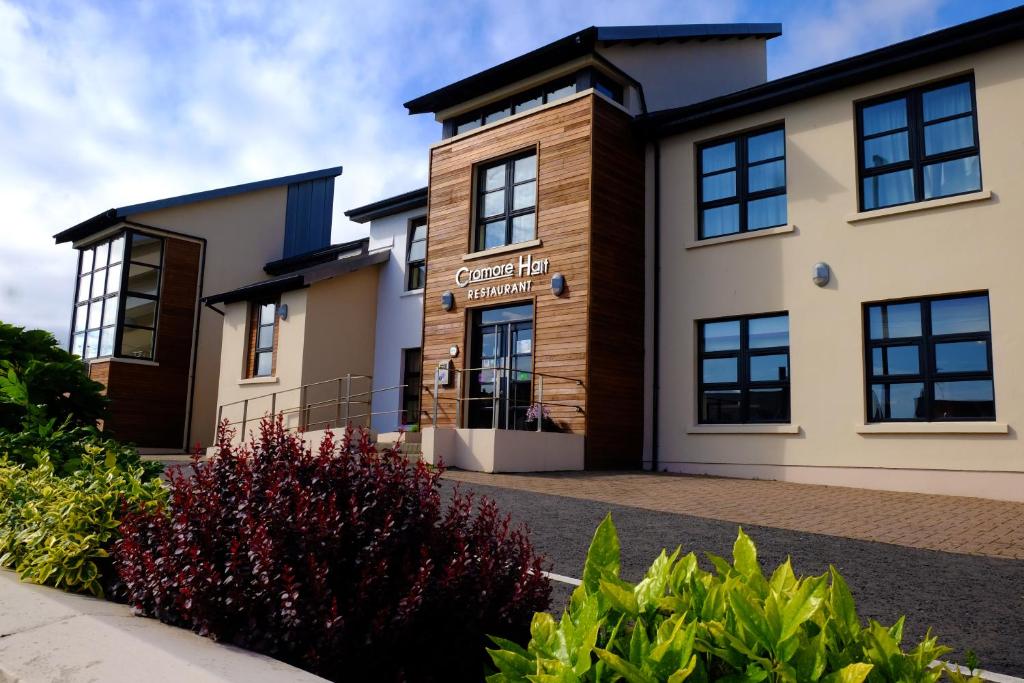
<point x="56" y="530"/>
<point x="683" y="623"/>
<point x="37" y="375"/>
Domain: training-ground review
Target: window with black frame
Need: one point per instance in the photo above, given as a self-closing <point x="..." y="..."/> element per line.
<point x="929" y="359"/>
<point x="516" y="104"/>
<point x="919" y="144"/>
<point x="412" y="372"/>
<point x="416" y="260"/>
<point x="506" y="202"/>
<point x="262" y="331"/>
<point x="117" y="297"/>
<point x="742" y="183"/>
<point x="743" y="365"/>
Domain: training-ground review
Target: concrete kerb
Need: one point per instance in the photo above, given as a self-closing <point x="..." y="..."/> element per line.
<point x="49" y="635"/>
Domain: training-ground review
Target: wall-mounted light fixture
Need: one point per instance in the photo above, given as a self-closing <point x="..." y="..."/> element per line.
<point x="447" y="300"/>
<point x="821" y="274"/>
<point x="557" y="284"/>
<point x="453" y="350"/>
<point x="282" y="311"/>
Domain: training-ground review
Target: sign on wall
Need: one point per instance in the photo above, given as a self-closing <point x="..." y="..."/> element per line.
<point x="474" y="279"/>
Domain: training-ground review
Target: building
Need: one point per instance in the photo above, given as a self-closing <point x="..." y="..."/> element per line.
<point x="143" y="269"/>
<point x="534" y="299"/>
<point x="838" y="277"/>
<point x="398" y="224"/>
<point x="635" y="251"/>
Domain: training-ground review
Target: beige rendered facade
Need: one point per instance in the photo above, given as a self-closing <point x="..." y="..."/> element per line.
<point x="328" y="334"/>
<point x="970" y="242"/>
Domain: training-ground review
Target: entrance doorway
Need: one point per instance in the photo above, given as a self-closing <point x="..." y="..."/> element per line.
<point x="501" y="384"/>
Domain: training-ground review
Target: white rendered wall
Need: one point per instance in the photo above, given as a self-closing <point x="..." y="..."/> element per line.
<point x="399" y="316"/>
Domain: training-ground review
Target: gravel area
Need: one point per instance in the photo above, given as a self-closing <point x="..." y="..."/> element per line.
<point x="971" y="602"/>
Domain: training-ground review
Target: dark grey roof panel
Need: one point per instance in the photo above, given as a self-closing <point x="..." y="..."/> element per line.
<point x="686" y="31"/>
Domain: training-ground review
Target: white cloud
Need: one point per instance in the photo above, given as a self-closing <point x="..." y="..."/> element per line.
<point x="108" y="104"/>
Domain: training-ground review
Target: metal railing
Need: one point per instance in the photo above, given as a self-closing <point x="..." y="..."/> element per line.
<point x="507" y="402"/>
<point x="332" y="403"/>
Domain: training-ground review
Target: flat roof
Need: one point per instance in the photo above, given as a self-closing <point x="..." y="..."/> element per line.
<point x="575" y="45"/>
<point x="931" y="48"/>
<point x="406" y="201"/>
<point x="113" y="216"/>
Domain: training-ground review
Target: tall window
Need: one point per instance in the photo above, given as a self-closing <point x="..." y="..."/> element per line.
<point x="744" y="369"/>
<point x="412" y="378"/>
<point x="917" y="145"/>
<point x="117" y="297"/>
<point x="742" y="183"/>
<point x="262" y="339"/>
<point x="506" y="205"/>
<point x="929" y="359"/>
<point x="416" y="261"/>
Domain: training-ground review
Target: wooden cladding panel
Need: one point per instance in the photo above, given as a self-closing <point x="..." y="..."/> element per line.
<point x="561" y="135"/>
<point x="148" y="401"/>
<point x="616" y="324"/>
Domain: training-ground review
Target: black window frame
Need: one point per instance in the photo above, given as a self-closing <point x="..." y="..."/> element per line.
<point x="743" y="355"/>
<point x="155" y="298"/>
<point x="509" y="213"/>
<point x="926" y="343"/>
<point x="412" y="385"/>
<point x="545" y="92"/>
<point x="742" y="166"/>
<point x="416" y="266"/>
<point x="121" y="294"/>
<point x="257" y="325"/>
<point x="917" y="158"/>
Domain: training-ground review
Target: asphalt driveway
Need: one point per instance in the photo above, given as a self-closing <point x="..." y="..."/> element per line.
<point x="971" y="602"/>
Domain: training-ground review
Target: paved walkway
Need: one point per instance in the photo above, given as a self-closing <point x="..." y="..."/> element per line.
<point x="974" y="526"/>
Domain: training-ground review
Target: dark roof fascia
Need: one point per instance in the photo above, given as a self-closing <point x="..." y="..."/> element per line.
<point x="925" y="50"/>
<point x="667" y="32"/>
<point x="317" y="256"/>
<point x="570" y="47"/>
<point x="258" y="290"/>
<point x="407" y="201"/>
<point x="299" y="279"/>
<point x="111" y="216"/>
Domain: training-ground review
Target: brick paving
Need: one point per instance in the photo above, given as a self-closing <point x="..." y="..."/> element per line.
<point x="973" y="526"/>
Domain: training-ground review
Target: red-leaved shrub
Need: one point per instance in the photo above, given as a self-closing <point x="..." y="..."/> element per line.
<point x="345" y="562"/>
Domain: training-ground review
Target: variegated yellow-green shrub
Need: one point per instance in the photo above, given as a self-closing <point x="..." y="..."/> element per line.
<point x="55" y="530"/>
<point x="681" y="623"/>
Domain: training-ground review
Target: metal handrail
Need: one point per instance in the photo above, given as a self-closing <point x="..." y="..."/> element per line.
<point x="343" y="403"/>
<point x="536" y="390"/>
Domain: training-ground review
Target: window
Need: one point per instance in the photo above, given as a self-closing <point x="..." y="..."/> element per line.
<point x="516" y="104"/>
<point x="742" y="183"/>
<point x="921" y="144"/>
<point x="744" y="369"/>
<point x="929" y="359"/>
<point x="117" y="297"/>
<point x="506" y="206"/>
<point x="262" y="339"/>
<point x="416" y="259"/>
<point x="412" y="373"/>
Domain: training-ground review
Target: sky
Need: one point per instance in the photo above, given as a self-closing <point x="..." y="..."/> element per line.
<point x="106" y="104"/>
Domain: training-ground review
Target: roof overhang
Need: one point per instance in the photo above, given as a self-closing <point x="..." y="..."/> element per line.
<point x="111" y="217"/>
<point x="407" y="201"/>
<point x="299" y="279"/>
<point x="574" y="46"/>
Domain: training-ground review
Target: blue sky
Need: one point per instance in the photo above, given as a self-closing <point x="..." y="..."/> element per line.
<point x="111" y="103"/>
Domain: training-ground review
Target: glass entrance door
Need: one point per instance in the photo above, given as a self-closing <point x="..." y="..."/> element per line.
<point x="500" y="388"/>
